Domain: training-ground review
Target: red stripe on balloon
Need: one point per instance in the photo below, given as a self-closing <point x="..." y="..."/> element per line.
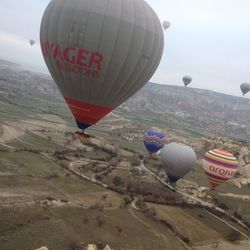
<point x="86" y="113"/>
<point x="213" y="184"/>
<point x="219" y="178"/>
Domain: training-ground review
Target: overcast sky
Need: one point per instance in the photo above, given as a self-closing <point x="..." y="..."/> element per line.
<point x="208" y="39"/>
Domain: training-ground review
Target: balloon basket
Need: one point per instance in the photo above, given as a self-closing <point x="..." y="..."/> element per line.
<point x="80" y="135"/>
<point x="149" y="156"/>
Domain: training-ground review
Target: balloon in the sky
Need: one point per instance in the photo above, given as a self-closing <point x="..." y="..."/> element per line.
<point x="153" y="141"/>
<point x="245" y="88"/>
<point x="32" y="42"/>
<point x="166" y="25"/>
<point x="100" y="52"/>
<point x="178" y="160"/>
<point x="187" y="80"/>
<point x="219" y="166"/>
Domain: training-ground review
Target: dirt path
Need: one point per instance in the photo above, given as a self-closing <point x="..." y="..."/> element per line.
<point x="237" y="196"/>
<point x="240" y="245"/>
<point x="10" y="133"/>
<point x="7" y="146"/>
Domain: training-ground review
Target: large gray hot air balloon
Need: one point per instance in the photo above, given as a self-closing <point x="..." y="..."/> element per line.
<point x="32" y="42"/>
<point x="187" y="80"/>
<point x="178" y="160"/>
<point x="100" y="52"/>
<point x="245" y="88"/>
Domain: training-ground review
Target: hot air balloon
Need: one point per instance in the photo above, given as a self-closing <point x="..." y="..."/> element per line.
<point x="178" y="160"/>
<point x="100" y="52"/>
<point x="153" y="141"/>
<point x="166" y="25"/>
<point x="32" y="42"/>
<point x="245" y="88"/>
<point x="187" y="80"/>
<point x="219" y="166"/>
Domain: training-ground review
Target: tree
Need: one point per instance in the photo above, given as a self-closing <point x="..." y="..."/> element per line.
<point x="119" y="229"/>
<point x="104" y="197"/>
<point x="150" y="212"/>
<point x="118" y="181"/>
<point x="233" y="236"/>
<point x="127" y="200"/>
<point x="99" y="221"/>
<point x="85" y="220"/>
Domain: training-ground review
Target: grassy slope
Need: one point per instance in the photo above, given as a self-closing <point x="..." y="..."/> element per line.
<point x="58" y="228"/>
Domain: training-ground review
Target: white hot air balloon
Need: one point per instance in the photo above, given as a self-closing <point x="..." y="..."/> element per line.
<point x="178" y="160"/>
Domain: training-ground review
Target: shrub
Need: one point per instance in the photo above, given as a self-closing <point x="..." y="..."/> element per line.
<point x="233" y="236"/>
<point x="118" y="181"/>
<point x="99" y="221"/>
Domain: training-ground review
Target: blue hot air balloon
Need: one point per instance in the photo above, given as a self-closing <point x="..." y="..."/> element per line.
<point x="153" y="141"/>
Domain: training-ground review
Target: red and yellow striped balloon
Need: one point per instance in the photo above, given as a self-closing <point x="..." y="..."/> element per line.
<point x="219" y="166"/>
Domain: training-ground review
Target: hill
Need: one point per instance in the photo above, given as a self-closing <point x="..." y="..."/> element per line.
<point x="188" y="109"/>
<point x="194" y="109"/>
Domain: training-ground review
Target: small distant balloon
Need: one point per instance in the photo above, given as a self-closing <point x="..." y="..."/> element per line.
<point x="219" y="166"/>
<point x="32" y="42"/>
<point x="166" y="25"/>
<point x="245" y="88"/>
<point x="187" y="80"/>
<point x="178" y="160"/>
<point x="153" y="141"/>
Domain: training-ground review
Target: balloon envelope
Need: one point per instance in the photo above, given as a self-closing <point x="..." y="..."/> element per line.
<point x="153" y="141"/>
<point x="32" y="42"/>
<point x="178" y="160"/>
<point x="100" y="52"/>
<point x="219" y="166"/>
<point x="187" y="80"/>
<point x="245" y="88"/>
<point x="166" y="25"/>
